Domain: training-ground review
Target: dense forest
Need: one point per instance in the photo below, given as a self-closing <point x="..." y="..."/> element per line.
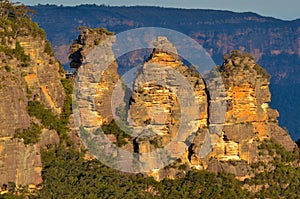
<point x="67" y="174"/>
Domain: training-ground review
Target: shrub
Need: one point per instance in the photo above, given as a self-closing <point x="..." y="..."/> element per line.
<point x="48" y="49"/>
<point x="20" y="54"/>
<point x="7" y="68"/>
<point x="113" y="128"/>
<point x="30" y="135"/>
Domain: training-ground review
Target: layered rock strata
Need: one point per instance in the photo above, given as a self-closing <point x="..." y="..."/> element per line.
<point x="29" y="73"/>
<point x="169" y="97"/>
<point x="248" y="119"/>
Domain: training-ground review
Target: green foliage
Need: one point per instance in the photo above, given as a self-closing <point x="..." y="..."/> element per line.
<point x="30" y="135"/>
<point x="156" y="142"/>
<point x="281" y="181"/>
<point x="7" y="51"/>
<point x="67" y="175"/>
<point x="113" y="128"/>
<point x="48" y="49"/>
<point x="261" y="71"/>
<point x="49" y="119"/>
<point x="182" y="167"/>
<point x="12" y="196"/>
<point x="15" y="20"/>
<point x="30" y="28"/>
<point x="97" y="42"/>
<point x="20" y="192"/>
<point x="7" y="68"/>
<point x="61" y="70"/>
<point x="96" y="30"/>
<point x="20" y="54"/>
<point x="67" y="109"/>
<point x="13" y="10"/>
<point x="278" y="151"/>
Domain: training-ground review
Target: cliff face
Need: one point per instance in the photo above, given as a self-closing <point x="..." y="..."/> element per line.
<point x="249" y="119"/>
<point x="164" y="104"/>
<point x="158" y="104"/>
<point x="274" y="43"/>
<point x="28" y="71"/>
<point x="95" y="82"/>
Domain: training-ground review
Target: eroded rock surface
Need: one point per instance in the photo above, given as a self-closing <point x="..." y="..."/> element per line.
<point x="168" y="95"/>
<point x="28" y="73"/>
<point x="248" y="119"/>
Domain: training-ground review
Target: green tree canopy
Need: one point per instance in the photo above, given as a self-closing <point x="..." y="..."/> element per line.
<point x="9" y="9"/>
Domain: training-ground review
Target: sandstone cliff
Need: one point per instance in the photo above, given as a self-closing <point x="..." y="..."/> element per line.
<point x="248" y="120"/>
<point x="166" y="104"/>
<point x="159" y="102"/>
<point x="91" y="55"/>
<point x="155" y="109"/>
<point x="28" y="72"/>
<point x="30" y="79"/>
<point x="274" y="43"/>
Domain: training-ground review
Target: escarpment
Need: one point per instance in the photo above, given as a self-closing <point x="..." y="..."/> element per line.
<point x="29" y="75"/>
<point x="249" y="119"/>
<point x="163" y="94"/>
<point x="168" y="97"/>
<point x="155" y="112"/>
<point x="97" y="76"/>
<point x="161" y="105"/>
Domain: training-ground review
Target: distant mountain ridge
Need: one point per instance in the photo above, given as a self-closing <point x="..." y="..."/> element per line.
<point x="274" y="43"/>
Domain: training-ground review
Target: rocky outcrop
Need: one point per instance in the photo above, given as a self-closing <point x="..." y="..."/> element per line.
<point x="97" y="76"/>
<point x="248" y="120"/>
<point x="169" y="96"/>
<point x="168" y="103"/>
<point x="274" y="43"/>
<point x="28" y="72"/>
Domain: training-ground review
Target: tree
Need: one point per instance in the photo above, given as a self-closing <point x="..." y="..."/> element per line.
<point x="14" y="10"/>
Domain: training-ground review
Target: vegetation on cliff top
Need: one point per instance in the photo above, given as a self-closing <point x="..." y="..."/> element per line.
<point x="15" y="22"/>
